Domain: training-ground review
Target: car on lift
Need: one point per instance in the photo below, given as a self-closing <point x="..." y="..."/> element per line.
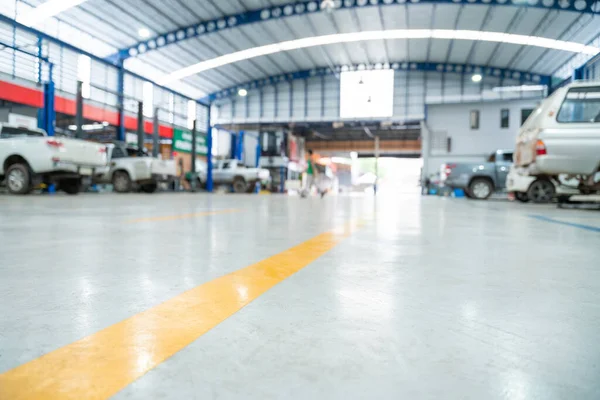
<point x="560" y="138"/>
<point x="479" y="180"/>
<point x="29" y="158"/>
<point x="527" y="188"/>
<point x="129" y="169"/>
<point x="233" y="172"/>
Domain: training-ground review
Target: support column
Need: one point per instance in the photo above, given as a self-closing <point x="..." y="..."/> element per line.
<point x="140" y="128"/>
<point x="194" y="156"/>
<point x="376" y="164"/>
<point x="209" y="145"/>
<point x="239" y="149"/>
<point x="233" y="145"/>
<point x="121" y="101"/>
<point x="155" y="136"/>
<point x="47" y="114"/>
<point x="258" y="151"/>
<point x="79" y="111"/>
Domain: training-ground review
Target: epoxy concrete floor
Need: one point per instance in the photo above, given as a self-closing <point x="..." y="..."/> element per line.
<point x="400" y="298"/>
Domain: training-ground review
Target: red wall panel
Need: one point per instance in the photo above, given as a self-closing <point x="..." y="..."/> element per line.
<point x="35" y="98"/>
<point x="21" y="95"/>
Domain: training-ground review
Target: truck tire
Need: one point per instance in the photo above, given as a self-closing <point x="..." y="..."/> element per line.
<point x="522" y="197"/>
<point x="240" y="185"/>
<point x="149" y="187"/>
<point x="541" y="191"/>
<point x="70" y="186"/>
<point x="481" y="188"/>
<point x="18" y="179"/>
<point x="121" y="182"/>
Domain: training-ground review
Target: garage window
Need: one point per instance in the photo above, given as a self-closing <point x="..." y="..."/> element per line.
<point x="474" y="119"/>
<point x="504" y="118"/>
<point x="525" y="113"/>
<point x="581" y="105"/>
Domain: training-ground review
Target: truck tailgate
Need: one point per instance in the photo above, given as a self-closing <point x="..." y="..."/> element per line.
<point x="81" y="152"/>
<point x="164" y="167"/>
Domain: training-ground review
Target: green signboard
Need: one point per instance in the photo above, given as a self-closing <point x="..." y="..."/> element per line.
<point x="182" y="142"/>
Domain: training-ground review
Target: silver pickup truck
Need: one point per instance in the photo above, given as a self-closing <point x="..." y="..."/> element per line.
<point x="479" y="180"/>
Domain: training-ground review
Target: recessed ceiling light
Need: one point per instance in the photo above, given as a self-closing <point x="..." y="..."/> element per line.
<point x="243" y="92"/>
<point x="476" y="78"/>
<point x="144" y="32"/>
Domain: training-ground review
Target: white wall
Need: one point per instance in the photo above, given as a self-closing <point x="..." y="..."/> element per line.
<point x="222" y="139"/>
<point x="250" y="142"/>
<point x="453" y="120"/>
<point x="318" y="98"/>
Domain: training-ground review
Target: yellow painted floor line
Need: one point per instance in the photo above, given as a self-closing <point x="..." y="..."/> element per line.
<point x="181" y="216"/>
<point x="100" y="365"/>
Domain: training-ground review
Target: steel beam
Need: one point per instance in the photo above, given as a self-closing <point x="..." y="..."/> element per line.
<point x="522" y="76"/>
<point x="291" y="9"/>
<point x="114" y="62"/>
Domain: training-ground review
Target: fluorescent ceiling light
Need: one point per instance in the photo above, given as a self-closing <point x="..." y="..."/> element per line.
<point x="377" y="35"/>
<point x="47" y="10"/>
<point x="144" y="33"/>
<point x="476" y="78"/>
<point x="89" y="127"/>
<point x="522" y="88"/>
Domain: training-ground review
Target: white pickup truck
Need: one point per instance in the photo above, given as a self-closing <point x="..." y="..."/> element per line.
<point x="126" y="170"/>
<point x="28" y="157"/>
<point x="235" y="173"/>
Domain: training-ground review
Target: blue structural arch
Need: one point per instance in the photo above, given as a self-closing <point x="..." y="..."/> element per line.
<point x="522" y="76"/>
<point x="202" y="28"/>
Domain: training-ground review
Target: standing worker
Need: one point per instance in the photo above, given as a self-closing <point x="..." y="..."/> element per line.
<point x="311" y="176"/>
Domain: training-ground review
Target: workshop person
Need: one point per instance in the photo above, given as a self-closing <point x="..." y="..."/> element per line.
<point x="311" y="175"/>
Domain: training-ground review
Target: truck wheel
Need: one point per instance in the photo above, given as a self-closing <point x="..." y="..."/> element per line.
<point x="541" y="191"/>
<point x="481" y="189"/>
<point x="18" y="179"/>
<point x="70" y="186"/>
<point x="240" y="185"/>
<point x="522" y="197"/>
<point x="149" y="187"/>
<point x="121" y="182"/>
<point x="251" y="187"/>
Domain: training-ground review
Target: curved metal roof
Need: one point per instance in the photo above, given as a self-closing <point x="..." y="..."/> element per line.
<point x="186" y="32"/>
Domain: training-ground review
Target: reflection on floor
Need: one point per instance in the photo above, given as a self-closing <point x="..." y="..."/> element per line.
<point x="185" y="296"/>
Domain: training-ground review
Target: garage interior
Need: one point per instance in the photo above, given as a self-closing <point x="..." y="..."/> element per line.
<point x="405" y="272"/>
